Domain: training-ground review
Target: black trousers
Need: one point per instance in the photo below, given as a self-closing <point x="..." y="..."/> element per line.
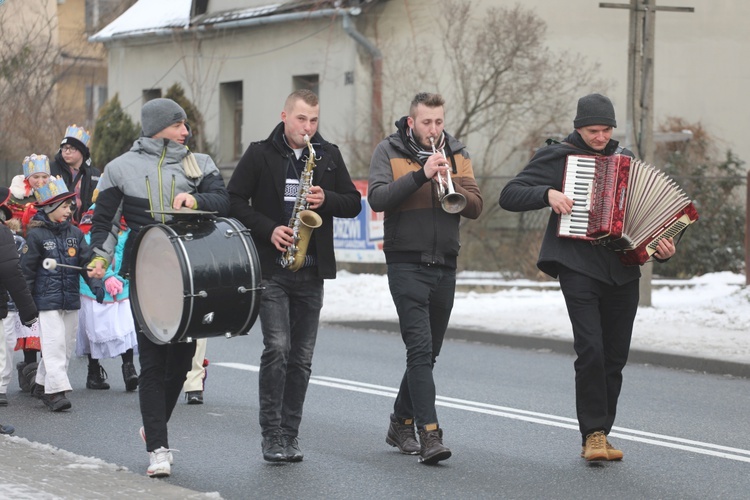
<point x="423" y="297"/>
<point x="164" y="368"/>
<point x="602" y="317"/>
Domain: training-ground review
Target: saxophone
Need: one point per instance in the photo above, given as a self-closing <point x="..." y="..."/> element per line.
<point x="303" y="221"/>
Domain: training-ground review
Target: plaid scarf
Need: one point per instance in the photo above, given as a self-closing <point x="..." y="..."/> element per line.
<point x="421" y="153"/>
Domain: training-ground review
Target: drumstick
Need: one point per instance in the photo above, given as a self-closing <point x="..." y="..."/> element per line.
<point x="51" y="264"/>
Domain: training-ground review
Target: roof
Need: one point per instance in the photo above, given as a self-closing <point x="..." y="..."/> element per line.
<point x="147" y="17"/>
<point x="157" y="17"/>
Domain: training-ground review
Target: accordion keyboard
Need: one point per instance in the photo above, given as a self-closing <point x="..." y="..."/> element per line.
<point x="577" y="185"/>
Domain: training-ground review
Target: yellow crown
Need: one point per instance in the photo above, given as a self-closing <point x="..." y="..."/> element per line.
<point x="48" y="192"/>
<point x="78" y="133"/>
<point x="35" y="164"/>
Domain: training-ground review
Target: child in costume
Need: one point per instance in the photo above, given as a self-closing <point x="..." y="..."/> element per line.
<point x="56" y="289"/>
<point x="107" y="330"/>
<point x="36" y="173"/>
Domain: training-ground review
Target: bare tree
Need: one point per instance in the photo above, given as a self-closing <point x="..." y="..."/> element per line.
<point x="33" y="63"/>
<point x="27" y="80"/>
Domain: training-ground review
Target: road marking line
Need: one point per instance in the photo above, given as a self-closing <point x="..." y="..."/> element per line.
<point x="690" y="445"/>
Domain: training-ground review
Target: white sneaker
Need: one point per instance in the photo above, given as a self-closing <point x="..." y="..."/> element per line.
<point x="142" y="433"/>
<point x="159" y="463"/>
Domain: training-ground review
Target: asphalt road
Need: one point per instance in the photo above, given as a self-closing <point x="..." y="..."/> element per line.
<point x="508" y="416"/>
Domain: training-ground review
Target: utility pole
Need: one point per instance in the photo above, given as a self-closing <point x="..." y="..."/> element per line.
<point x="639" y="126"/>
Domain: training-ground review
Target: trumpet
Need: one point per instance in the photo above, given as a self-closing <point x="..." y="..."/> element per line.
<point x="451" y="201"/>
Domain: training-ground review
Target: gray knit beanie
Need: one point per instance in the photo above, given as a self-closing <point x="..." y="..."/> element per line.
<point x="595" y="109"/>
<point x="158" y="114"/>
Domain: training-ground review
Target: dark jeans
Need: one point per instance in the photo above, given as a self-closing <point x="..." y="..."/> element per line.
<point x="602" y="316"/>
<point x="424" y="299"/>
<point x="289" y="314"/>
<point x="163" y="371"/>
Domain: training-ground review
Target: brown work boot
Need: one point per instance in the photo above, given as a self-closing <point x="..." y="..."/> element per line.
<point x="401" y="435"/>
<point x="432" y="449"/>
<point x="596" y="447"/>
<point x="612" y="452"/>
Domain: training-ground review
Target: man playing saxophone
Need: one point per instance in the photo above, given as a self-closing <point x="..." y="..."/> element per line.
<point x="263" y="192"/>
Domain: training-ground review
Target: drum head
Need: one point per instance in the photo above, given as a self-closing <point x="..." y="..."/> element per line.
<point x="157" y="285"/>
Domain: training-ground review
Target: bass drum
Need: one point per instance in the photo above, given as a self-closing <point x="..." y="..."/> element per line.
<point x="195" y="279"/>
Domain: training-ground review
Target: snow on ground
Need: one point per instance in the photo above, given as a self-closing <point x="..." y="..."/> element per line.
<point x="706" y="316"/>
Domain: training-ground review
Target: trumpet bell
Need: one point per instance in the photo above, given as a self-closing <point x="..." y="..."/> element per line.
<point x="453" y="203"/>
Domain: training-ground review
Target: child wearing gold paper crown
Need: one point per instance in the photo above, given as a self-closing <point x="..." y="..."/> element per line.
<point x="56" y="289"/>
<point x="36" y="174"/>
<point x="72" y="164"/>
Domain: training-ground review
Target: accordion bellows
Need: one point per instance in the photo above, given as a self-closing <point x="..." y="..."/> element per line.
<point x="623" y="204"/>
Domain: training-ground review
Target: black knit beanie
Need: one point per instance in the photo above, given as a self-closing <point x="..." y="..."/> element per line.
<point x="595" y="109"/>
<point x="72" y="141"/>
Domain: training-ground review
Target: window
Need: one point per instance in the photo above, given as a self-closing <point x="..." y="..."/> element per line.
<point x="199" y="7"/>
<point x="230" y="120"/>
<point x="309" y="82"/>
<point x="96" y="96"/>
<point x="149" y="94"/>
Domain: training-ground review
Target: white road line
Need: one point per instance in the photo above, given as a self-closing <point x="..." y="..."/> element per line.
<point x="690" y="445"/>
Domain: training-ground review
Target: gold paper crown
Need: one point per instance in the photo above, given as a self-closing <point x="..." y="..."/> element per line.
<point x="78" y="133"/>
<point x="35" y="164"/>
<point x="55" y="189"/>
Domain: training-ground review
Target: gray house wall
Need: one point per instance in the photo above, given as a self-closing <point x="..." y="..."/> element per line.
<point x="697" y="74"/>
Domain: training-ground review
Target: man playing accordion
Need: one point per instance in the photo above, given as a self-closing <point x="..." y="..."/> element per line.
<point x="601" y="292"/>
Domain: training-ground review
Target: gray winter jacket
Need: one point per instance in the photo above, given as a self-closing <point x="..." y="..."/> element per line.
<point x="148" y="177"/>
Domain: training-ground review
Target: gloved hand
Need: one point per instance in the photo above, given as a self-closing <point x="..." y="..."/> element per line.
<point x="113" y="285"/>
<point x="99" y="293"/>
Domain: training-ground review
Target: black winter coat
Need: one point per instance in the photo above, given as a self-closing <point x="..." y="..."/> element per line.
<point x="12" y="280"/>
<point x="260" y="176"/>
<point x="527" y="191"/>
<point x="55" y="289"/>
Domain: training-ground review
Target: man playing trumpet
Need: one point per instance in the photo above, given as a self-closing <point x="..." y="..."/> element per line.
<point x="421" y="244"/>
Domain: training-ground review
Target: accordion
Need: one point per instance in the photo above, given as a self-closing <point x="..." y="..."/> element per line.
<point x="623" y="204"/>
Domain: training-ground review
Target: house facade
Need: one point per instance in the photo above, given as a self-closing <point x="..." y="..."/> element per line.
<point x="238" y="60"/>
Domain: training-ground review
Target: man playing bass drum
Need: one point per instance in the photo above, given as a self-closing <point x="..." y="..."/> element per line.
<point x="158" y="173"/>
<point x="263" y="193"/>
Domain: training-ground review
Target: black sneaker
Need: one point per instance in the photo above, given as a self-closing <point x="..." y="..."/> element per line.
<point x="57" y="401"/>
<point x="3" y="399"/>
<point x="432" y="449"/>
<point x="23" y="382"/>
<point x="194" y="397"/>
<point x="401" y="435"/>
<point x="291" y="449"/>
<point x="96" y="378"/>
<point x="273" y="448"/>
<point x="130" y="376"/>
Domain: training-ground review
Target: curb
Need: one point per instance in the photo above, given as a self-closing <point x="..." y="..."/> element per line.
<point x="666" y="360"/>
